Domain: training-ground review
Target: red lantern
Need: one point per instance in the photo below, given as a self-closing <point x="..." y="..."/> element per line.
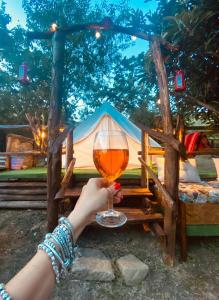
<point x="22" y="77"/>
<point x="179" y="81"/>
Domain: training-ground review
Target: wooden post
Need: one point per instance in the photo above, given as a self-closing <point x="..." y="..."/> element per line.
<point x="171" y="155"/>
<point x="180" y="129"/>
<point x="69" y="148"/>
<point x="182" y="232"/>
<point x="54" y="158"/>
<point x="144" y="157"/>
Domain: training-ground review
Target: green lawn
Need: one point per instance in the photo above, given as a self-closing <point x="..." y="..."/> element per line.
<point x="205" y="167"/>
<point x="40" y="173"/>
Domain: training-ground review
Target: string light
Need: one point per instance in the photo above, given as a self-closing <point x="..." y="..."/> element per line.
<point x="53" y="27"/>
<point x="133" y="37"/>
<point x="97" y="34"/>
<point x="158" y="101"/>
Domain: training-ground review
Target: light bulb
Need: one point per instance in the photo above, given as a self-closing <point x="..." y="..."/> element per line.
<point x="53" y="27"/>
<point x="97" y="35"/>
<point x="133" y="37"/>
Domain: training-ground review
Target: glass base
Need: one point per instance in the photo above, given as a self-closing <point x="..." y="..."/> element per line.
<point x="111" y="218"/>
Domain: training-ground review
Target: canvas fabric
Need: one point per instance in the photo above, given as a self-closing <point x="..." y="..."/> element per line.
<point x="105" y="118"/>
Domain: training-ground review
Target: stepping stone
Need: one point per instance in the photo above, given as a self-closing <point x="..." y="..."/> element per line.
<point x="132" y="269"/>
<point x="92" y="265"/>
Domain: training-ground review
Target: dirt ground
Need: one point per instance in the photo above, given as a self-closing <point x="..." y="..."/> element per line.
<point x="21" y="232"/>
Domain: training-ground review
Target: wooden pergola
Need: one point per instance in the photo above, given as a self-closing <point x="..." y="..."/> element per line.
<point x="172" y="145"/>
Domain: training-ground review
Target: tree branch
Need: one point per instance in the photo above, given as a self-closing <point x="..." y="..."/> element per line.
<point x="201" y="103"/>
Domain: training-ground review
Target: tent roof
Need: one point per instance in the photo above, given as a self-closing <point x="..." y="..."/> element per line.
<point x="87" y="126"/>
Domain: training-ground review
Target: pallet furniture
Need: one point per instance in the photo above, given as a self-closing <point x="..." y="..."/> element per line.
<point x="6" y="156"/>
<point x="197" y="219"/>
<point x="23" y="194"/>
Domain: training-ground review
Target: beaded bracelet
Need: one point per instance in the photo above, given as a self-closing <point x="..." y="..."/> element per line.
<point x="4" y="295"/>
<point x="59" y="246"/>
<point x="52" y="259"/>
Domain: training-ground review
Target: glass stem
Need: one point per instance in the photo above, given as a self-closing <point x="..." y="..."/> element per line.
<point x="110" y="204"/>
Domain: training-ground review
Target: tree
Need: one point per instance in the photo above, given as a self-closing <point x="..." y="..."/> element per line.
<point x="88" y="62"/>
<point x="191" y="25"/>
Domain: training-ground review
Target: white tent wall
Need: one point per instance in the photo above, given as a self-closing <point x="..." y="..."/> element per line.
<point x="83" y="150"/>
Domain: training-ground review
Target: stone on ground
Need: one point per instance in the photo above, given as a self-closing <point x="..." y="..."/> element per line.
<point x="132" y="269"/>
<point x="92" y="265"/>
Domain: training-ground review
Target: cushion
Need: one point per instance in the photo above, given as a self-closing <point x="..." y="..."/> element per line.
<point x="188" y="171"/>
<point x="216" y="163"/>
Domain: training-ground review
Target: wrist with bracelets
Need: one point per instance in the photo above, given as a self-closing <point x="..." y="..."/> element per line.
<point x="59" y="246"/>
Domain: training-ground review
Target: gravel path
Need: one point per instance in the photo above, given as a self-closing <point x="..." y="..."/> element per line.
<point x="21" y="231"/>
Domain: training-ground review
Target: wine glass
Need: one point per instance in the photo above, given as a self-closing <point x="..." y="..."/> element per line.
<point x="110" y="155"/>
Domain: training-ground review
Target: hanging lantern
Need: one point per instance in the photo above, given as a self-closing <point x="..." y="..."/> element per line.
<point x="179" y="81"/>
<point x="22" y="77"/>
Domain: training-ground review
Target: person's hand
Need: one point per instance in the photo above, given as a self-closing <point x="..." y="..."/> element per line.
<point x="94" y="197"/>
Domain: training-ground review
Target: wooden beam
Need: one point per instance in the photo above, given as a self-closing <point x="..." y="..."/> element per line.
<point x="126" y="191"/>
<point x="171" y="168"/>
<point x="69" y="148"/>
<point x="68" y="175"/>
<point x="152" y="151"/>
<point x="167" y="200"/>
<point x="165" y="138"/>
<point x="207" y="151"/>
<point x="12" y="191"/>
<point x="182" y="231"/>
<point x="104" y="25"/>
<point x="22" y="197"/>
<point x="54" y="159"/>
<point x="157" y="229"/>
<point x="21" y="185"/>
<point x="144" y="157"/>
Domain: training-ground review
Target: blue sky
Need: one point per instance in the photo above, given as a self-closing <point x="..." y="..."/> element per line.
<point x="14" y="8"/>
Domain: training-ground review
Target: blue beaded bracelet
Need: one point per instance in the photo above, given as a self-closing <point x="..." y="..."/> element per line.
<point x="59" y="246"/>
<point x="4" y="295"/>
<point x="52" y="259"/>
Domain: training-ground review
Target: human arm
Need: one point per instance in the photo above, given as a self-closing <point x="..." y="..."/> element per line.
<point x="37" y="279"/>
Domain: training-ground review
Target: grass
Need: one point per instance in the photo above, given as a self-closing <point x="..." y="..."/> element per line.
<point x="40" y="173"/>
<point x="205" y="167"/>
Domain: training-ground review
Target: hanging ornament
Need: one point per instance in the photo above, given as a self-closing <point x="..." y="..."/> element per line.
<point x="22" y="77"/>
<point x="179" y="81"/>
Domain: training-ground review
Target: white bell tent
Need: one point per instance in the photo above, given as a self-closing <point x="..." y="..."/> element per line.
<point x="105" y="118"/>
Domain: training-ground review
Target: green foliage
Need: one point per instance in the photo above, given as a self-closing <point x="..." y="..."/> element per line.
<point x="96" y="69"/>
<point x="192" y="26"/>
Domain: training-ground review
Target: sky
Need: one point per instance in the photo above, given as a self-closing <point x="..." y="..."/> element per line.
<point x="15" y="10"/>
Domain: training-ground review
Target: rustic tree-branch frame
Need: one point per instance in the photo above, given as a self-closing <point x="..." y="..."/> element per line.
<point x="172" y="146"/>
